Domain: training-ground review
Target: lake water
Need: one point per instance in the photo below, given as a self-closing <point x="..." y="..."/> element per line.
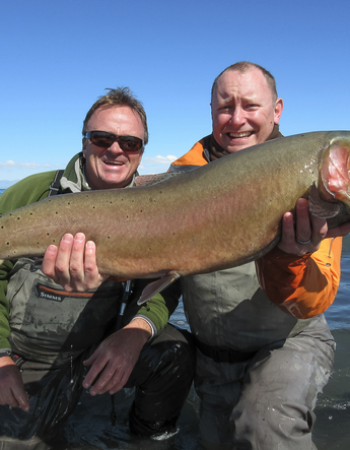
<point x="89" y="428"/>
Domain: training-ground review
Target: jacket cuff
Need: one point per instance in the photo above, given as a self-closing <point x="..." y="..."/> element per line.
<point x="279" y="257"/>
<point x="150" y="323"/>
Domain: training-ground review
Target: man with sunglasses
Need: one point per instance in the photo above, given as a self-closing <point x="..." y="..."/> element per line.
<point x="260" y="367"/>
<point x="69" y="327"/>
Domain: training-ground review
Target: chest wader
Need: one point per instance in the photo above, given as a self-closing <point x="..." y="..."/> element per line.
<point x="53" y="332"/>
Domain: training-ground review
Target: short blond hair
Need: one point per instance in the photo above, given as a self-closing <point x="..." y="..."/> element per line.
<point x="245" y="66"/>
<point x="121" y="96"/>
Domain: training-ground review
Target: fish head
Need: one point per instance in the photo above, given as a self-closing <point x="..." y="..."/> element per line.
<point x="334" y="183"/>
<point x="331" y="198"/>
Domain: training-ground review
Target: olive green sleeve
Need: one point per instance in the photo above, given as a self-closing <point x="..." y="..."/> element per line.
<point x="158" y="309"/>
<point x="29" y="190"/>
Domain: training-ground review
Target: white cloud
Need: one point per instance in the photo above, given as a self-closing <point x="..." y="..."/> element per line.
<point x="159" y="160"/>
<point x="7" y="164"/>
<point x="158" y="164"/>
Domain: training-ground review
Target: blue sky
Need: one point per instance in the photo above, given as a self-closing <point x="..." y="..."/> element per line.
<point x="57" y="57"/>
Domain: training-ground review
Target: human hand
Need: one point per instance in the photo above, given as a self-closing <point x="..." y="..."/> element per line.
<point x="73" y="264"/>
<point x="307" y="234"/>
<point x="12" y="392"/>
<point x="116" y="357"/>
<point x="342" y="230"/>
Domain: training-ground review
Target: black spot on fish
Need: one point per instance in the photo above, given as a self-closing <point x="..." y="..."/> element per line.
<point x="48" y="234"/>
<point x="7" y="243"/>
<point x="18" y="218"/>
<point x="141" y="210"/>
<point x="161" y="192"/>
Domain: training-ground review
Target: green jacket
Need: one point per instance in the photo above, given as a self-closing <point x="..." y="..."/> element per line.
<point x="35" y="188"/>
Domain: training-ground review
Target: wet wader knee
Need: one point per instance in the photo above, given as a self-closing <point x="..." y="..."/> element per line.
<point x="54" y="394"/>
<point x="162" y="376"/>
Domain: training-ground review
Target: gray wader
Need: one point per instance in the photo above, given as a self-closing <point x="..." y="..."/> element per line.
<point x="258" y="369"/>
<point x="53" y="331"/>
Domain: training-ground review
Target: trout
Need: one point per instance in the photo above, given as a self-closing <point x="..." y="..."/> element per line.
<point x="221" y="215"/>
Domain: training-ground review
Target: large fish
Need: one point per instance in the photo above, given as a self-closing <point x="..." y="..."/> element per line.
<point x="221" y="215"/>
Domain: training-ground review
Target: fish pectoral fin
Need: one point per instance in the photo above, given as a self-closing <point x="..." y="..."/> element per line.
<point x="157" y="286"/>
<point x="319" y="207"/>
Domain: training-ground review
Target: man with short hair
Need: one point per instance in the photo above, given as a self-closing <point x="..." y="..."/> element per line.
<point x="58" y="325"/>
<point x="259" y="368"/>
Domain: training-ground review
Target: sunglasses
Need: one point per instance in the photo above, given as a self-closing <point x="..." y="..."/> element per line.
<point x="105" y="140"/>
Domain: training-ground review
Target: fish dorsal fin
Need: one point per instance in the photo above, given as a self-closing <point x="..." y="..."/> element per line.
<point x="319" y="207"/>
<point x="149" y="180"/>
<point x="157" y="286"/>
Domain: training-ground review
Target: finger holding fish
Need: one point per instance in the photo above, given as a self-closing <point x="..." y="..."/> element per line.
<point x="56" y="261"/>
<point x="73" y="264"/>
<point x="342" y="230"/>
<point x="305" y="235"/>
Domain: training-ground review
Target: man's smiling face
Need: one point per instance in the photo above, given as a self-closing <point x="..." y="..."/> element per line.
<point x="244" y="109"/>
<point x="110" y="168"/>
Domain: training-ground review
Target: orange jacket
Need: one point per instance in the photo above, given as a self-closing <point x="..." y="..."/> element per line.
<point x="306" y="285"/>
<point x="303" y="286"/>
<point x="194" y="157"/>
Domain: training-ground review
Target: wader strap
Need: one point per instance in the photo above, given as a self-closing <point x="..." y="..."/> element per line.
<point x="224" y="355"/>
<point x="127" y="291"/>
<point x="55" y="186"/>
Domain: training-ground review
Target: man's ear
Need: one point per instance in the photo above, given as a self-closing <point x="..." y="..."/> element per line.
<point x="278" y="110"/>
